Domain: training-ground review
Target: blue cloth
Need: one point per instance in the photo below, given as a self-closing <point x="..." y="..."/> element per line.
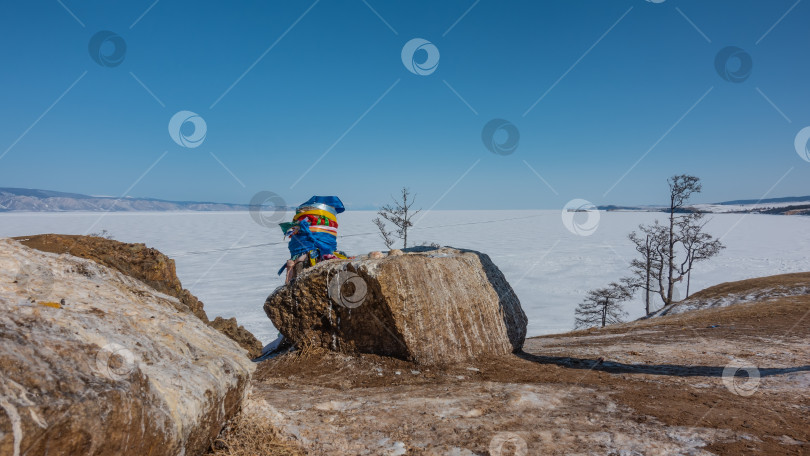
<point x="333" y="201"/>
<point x="305" y="241"/>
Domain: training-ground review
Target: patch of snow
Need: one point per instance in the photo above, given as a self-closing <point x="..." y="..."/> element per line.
<point x="733" y="299"/>
<point x="338" y="406"/>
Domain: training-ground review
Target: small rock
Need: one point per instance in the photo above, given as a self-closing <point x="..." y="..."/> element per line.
<point x="376" y="255"/>
<point x="395" y="252"/>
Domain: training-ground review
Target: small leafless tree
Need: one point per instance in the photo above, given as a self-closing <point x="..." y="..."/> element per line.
<point x="400" y="214"/>
<point x="602" y="306"/>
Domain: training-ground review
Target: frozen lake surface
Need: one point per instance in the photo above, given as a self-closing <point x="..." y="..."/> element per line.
<point x="224" y="258"/>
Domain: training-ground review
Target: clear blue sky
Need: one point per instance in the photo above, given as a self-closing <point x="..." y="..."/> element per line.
<point x="617" y="76"/>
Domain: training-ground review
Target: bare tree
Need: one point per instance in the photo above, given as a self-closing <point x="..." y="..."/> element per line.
<point x="400" y="214"/>
<point x="697" y="244"/>
<point x="602" y="306"/>
<point x="669" y="252"/>
<point x="649" y="271"/>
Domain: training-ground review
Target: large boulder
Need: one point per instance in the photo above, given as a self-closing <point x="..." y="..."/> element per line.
<point x="147" y="265"/>
<point x="429" y="306"/>
<point x="94" y="362"/>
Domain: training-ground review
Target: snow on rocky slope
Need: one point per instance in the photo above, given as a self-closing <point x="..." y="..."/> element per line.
<point x="742" y="292"/>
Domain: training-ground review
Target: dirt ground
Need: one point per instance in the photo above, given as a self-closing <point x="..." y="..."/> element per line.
<point x="665" y="385"/>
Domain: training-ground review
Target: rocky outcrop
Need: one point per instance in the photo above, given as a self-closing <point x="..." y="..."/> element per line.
<point x="429" y="306"/>
<point x="239" y="334"/>
<point x="142" y="263"/>
<point x="94" y="362"/>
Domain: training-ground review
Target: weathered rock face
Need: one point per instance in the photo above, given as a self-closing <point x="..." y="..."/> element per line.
<point x="145" y="264"/>
<point x="430" y="306"/>
<point x="238" y="334"/>
<point x="116" y="370"/>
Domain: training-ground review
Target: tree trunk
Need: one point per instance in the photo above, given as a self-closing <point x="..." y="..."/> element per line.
<point x="604" y="312"/>
<point x="671" y="251"/>
<point x="405" y="226"/>
<point x="647" y="285"/>
<point x="688" y="280"/>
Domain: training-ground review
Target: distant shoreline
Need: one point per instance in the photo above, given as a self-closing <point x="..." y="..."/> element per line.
<point x="22" y="200"/>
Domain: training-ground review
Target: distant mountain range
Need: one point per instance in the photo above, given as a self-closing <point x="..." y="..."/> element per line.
<point x="790" y="205"/>
<point x="32" y="200"/>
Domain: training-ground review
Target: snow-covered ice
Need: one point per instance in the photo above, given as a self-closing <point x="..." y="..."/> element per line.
<point x="224" y="258"/>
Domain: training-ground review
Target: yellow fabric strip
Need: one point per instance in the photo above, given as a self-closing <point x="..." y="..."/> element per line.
<point x="321" y="230"/>
<point x="315" y="213"/>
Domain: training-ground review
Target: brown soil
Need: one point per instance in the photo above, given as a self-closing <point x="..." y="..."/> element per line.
<point x="657" y="377"/>
<point x="744" y="286"/>
<point x="674" y="353"/>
